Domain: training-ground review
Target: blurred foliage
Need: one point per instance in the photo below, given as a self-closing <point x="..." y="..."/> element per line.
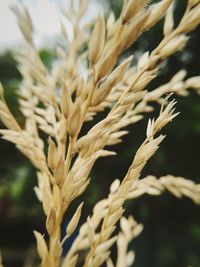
<point x="171" y="235"/>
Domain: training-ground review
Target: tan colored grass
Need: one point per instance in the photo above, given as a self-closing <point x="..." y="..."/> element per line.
<point x="70" y="100"/>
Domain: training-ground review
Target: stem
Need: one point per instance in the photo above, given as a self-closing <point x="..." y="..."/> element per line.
<point x="64" y="239"/>
<point x="70" y="150"/>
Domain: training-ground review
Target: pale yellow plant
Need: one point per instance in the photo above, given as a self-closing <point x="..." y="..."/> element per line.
<point x="70" y="98"/>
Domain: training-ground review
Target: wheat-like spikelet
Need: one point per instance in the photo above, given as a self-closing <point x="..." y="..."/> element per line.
<point x="130" y="229"/>
<point x="178" y="186"/>
<point x="58" y="101"/>
<point x="99" y="250"/>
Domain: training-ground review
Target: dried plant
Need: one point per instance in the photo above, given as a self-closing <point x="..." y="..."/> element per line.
<point x="59" y="101"/>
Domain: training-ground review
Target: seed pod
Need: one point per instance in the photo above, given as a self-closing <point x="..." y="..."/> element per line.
<point x="75" y="120"/>
<point x="169" y="21"/>
<point x="28" y="19"/>
<point x="143" y="82"/>
<point x="111" y="81"/>
<point x="193" y="82"/>
<point x="41" y="245"/>
<point x="51" y="221"/>
<point x="83" y="5"/>
<point x="105" y="66"/>
<point x="132" y="8"/>
<point x="74" y="221"/>
<point x="66" y="102"/>
<point x="90" y="231"/>
<point x="115" y="185"/>
<point x="46" y="199"/>
<point x="103" y="247"/>
<point x="116" y="205"/>
<point x="56" y="198"/>
<point x="156" y="13"/>
<point x="52" y="158"/>
<point x="24" y="22"/>
<point x="97" y="40"/>
<point x="173" y="46"/>
<point x="150" y="128"/>
<point x="133" y="29"/>
<point x="130" y="258"/>
<point x="86" y="140"/>
<point x="72" y="261"/>
<point x="114" y="217"/>
<point x="60" y="171"/>
<point x="62" y="129"/>
<point x="143" y="60"/>
<point x="100" y="258"/>
<point x="191" y="21"/>
<point x="118" y="73"/>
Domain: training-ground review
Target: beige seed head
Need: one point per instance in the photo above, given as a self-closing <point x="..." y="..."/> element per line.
<point x="114" y="217"/>
<point x="106" y="245"/>
<point x="115" y="185"/>
<point x="97" y="40"/>
<point x="52" y="158"/>
<point x="72" y="262"/>
<point x="111" y="81"/>
<point x="56" y="198"/>
<point x="90" y="231"/>
<point x="46" y="199"/>
<point x="173" y="46"/>
<point x="156" y="12"/>
<point x="74" y="221"/>
<point x="51" y="221"/>
<point x="86" y="140"/>
<point x="150" y="128"/>
<point x="99" y="259"/>
<point x="169" y="21"/>
<point x="193" y="82"/>
<point x="125" y="227"/>
<point x="115" y="205"/>
<point x="66" y="102"/>
<point x="109" y="263"/>
<point x="191" y="21"/>
<point x="130" y="258"/>
<point x="132" y="8"/>
<point x="179" y="76"/>
<point x="24" y="22"/>
<point x="83" y="5"/>
<point x="59" y="117"/>
<point x="41" y="245"/>
<point x="143" y="60"/>
<point x="75" y="120"/>
<point x="60" y="171"/>
<point x="106" y="64"/>
<point x="133" y="29"/>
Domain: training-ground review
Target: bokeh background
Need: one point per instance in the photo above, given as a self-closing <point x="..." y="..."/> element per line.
<point x="171" y="236"/>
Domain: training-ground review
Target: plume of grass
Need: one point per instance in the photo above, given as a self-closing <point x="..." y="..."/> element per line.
<point x="59" y="101"/>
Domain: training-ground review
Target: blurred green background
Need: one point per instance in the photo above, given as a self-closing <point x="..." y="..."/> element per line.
<point x="171" y="237"/>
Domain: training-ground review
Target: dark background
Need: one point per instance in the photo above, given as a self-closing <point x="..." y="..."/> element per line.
<point x="171" y="236"/>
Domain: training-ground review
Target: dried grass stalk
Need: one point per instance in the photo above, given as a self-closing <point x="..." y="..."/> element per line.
<point x="69" y="100"/>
